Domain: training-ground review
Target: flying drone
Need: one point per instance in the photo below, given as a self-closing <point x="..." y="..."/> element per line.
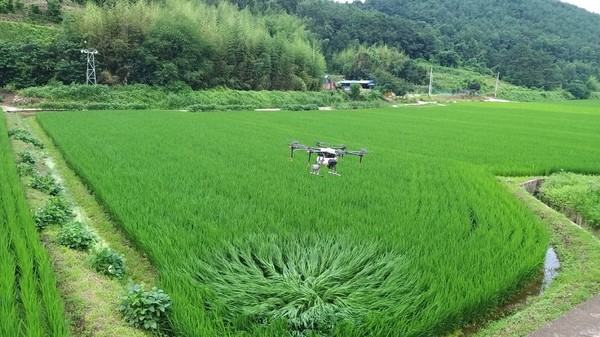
<point x="327" y="155"/>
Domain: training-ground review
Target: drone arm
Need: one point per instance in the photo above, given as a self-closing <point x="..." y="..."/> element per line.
<point x="360" y="153"/>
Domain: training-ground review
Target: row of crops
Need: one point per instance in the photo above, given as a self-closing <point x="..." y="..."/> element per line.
<point x="30" y="304"/>
<point x="418" y="240"/>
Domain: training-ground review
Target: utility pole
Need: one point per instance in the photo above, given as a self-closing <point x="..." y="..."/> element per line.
<point x="431" y="82"/>
<point x="497" y="81"/>
<point x="90" y="73"/>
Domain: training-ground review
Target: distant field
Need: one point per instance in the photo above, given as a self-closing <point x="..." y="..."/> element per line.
<point x="419" y="240"/>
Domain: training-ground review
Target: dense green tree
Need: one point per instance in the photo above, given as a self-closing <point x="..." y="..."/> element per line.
<point x="389" y="67"/>
<point x="199" y="45"/>
<point x="53" y="10"/>
<point x="524" y="66"/>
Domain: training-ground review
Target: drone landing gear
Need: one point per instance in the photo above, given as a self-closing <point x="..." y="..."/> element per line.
<point x="334" y="173"/>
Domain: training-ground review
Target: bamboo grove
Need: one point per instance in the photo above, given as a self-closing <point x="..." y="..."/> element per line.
<point x="30" y="304"/>
<point x="420" y="239"/>
<point x="191" y="43"/>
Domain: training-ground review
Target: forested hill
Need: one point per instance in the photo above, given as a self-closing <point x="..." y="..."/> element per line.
<point x="291" y="44"/>
<point x="535" y="43"/>
<point x="499" y="34"/>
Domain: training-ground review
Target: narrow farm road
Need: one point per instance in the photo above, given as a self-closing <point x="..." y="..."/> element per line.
<point x="582" y="321"/>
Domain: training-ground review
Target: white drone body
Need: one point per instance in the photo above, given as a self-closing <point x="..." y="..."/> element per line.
<point x="326" y="156"/>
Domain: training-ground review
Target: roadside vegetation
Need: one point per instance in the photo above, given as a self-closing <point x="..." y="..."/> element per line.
<point x="140" y="96"/>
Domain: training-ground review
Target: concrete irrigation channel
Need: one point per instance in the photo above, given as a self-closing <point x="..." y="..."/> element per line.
<point x="584" y="319"/>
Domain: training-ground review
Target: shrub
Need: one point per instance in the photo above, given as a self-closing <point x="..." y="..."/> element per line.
<point x="76" y="235"/>
<point x="579" y="90"/>
<point x="56" y="211"/>
<point x="354" y="92"/>
<point x="238" y="107"/>
<point x="136" y="106"/>
<point x="108" y="262"/>
<point x="26" y="137"/>
<point x="46" y="183"/>
<point x="27" y="157"/>
<point x="146" y="309"/>
<point x="102" y="106"/>
<point x="301" y="107"/>
<point x="202" y="107"/>
<point x="25" y="169"/>
<point x="61" y="105"/>
<point x="228" y="107"/>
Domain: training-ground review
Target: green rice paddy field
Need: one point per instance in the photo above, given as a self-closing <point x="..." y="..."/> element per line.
<point x="417" y="241"/>
<point x="30" y="303"/>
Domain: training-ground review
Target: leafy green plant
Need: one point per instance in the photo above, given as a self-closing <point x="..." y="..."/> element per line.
<point x="56" y="211"/>
<point x="46" y="183"/>
<point x="27" y="157"/>
<point x="25" y="169"/>
<point x="354" y="92"/>
<point x="146" y="310"/>
<point x="300" y="107"/>
<point x="76" y="235"/>
<point x="108" y="262"/>
<point x="25" y="136"/>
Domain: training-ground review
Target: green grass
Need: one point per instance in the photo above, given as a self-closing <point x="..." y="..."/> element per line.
<point x="21" y="31"/>
<point x="194" y="190"/>
<point x="30" y="304"/>
<point x="574" y="193"/>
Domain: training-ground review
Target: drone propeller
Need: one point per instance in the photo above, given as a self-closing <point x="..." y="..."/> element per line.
<point x="341" y="147"/>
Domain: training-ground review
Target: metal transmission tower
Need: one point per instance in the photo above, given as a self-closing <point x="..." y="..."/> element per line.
<point x="90" y="73"/>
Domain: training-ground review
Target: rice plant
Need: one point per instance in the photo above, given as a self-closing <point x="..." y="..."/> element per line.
<point x="311" y="283"/>
<point x="213" y="199"/>
<point x="30" y="304"/>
